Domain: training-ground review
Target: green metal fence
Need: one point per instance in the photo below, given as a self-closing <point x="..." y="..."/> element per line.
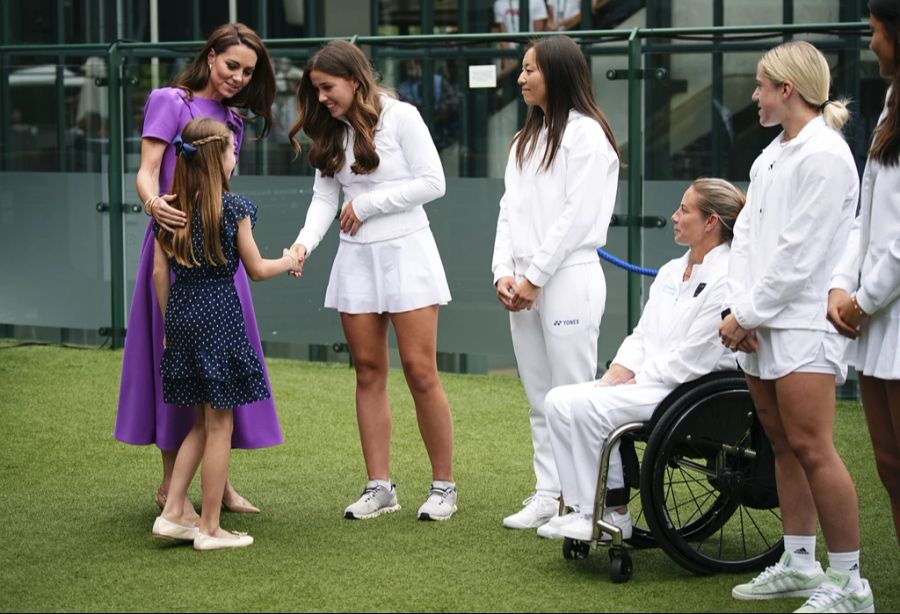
<point x="638" y="47"/>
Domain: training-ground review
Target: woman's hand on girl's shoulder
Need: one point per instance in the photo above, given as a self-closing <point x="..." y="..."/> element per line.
<point x="166" y="215"/>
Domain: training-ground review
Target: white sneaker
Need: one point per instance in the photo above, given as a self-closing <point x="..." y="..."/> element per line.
<point x="780" y="580"/>
<point x="581" y="526"/>
<point x="550" y="530"/>
<point x="440" y="504"/>
<point x="834" y="594"/>
<point x="374" y="501"/>
<point x="537" y="511"/>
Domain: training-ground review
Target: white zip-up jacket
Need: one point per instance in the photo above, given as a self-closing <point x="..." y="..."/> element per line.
<point x="557" y="217"/>
<point x="389" y="200"/>
<point x="871" y="263"/>
<point x="793" y="230"/>
<point x="677" y="337"/>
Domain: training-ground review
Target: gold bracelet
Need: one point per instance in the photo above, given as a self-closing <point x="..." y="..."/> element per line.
<point x="148" y="205"/>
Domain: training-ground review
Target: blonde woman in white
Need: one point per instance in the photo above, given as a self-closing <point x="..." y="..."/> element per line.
<point x="675" y="341"/>
<point x="788" y="239"/>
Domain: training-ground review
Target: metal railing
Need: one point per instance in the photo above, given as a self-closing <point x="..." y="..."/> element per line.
<point x="635" y="44"/>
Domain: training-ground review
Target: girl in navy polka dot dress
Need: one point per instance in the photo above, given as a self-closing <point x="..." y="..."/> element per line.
<point x="208" y="361"/>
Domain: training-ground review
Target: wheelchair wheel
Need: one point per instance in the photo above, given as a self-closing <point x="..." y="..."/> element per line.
<point x="708" y="481"/>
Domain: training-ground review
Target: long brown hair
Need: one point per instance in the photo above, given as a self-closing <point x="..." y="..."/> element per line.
<point x="258" y="95"/>
<point x="199" y="182"/>
<point x="339" y="58"/>
<point x="886" y="143"/>
<point x="568" y="81"/>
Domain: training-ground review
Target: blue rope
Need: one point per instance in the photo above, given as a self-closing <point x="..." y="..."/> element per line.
<point x="626" y="265"/>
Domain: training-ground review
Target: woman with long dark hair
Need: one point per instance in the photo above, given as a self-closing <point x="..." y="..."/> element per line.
<point x="231" y="71"/>
<point x="561" y="181"/>
<point x="864" y="301"/>
<point x="387" y="271"/>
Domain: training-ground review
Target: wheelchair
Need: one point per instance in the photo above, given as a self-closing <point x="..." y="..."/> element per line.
<point x="704" y="474"/>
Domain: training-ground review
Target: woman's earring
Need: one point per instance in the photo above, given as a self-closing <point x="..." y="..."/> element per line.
<point x="210" y="66"/>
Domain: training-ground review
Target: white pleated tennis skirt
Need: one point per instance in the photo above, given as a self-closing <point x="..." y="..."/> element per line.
<point x="784" y="351"/>
<point x="877" y="351"/>
<point x="390" y="276"/>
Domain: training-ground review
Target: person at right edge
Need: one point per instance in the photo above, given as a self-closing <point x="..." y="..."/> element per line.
<point x="561" y="180"/>
<point x="788" y="239"/>
<point x="863" y="300"/>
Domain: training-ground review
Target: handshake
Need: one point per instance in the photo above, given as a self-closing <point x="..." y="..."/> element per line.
<point x="295" y="256"/>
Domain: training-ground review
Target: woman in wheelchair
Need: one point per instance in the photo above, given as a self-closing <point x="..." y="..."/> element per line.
<point x="674" y="342"/>
<point x="803" y="193"/>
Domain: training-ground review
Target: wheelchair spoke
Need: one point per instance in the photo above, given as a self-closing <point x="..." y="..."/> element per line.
<point x="713" y="472"/>
<point x="756" y="526"/>
<point x="697" y="505"/>
<point x="682" y="462"/>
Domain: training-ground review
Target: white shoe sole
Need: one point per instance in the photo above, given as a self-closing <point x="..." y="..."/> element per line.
<point x="382" y="510"/>
<point x="166" y="530"/>
<point x="207" y="543"/>
<point x="519" y="526"/>
<point x="605" y="538"/>
<point x="427" y="516"/>
<point x="766" y="596"/>
<point x="556" y="535"/>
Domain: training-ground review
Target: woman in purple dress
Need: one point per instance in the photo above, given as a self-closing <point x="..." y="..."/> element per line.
<point x="233" y="70"/>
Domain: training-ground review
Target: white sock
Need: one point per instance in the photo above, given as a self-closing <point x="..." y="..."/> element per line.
<point x="374" y="483"/>
<point x="802" y="549"/>
<point x="848" y="562"/>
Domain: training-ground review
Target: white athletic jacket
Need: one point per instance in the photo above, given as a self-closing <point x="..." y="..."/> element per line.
<point x="558" y="217"/>
<point x="871" y="263"/>
<point x="388" y="201"/>
<point x="677" y="337"/>
<point x="793" y="230"/>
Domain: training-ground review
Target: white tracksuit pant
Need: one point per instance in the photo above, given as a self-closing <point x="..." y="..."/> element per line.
<point x="556" y="344"/>
<point x="580" y="419"/>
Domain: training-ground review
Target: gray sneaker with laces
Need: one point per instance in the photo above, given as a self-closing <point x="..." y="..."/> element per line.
<point x="374" y="501"/>
<point x="780" y="580"/>
<point x="440" y="504"/>
<point x="836" y="595"/>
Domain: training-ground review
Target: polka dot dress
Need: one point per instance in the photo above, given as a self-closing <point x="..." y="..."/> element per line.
<point x="208" y="357"/>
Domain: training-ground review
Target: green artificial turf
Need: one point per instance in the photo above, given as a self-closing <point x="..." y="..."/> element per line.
<point x="76" y="509"/>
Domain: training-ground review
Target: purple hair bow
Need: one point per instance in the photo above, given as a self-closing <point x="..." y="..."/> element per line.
<point x="184" y="149"/>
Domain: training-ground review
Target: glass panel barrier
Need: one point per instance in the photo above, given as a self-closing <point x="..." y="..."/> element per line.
<point x="54" y="246"/>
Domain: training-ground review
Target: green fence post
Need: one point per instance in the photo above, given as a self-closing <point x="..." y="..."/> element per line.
<point x="635" y="179"/>
<point x="114" y="175"/>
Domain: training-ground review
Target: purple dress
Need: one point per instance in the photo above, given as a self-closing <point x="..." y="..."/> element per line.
<point x="143" y="416"/>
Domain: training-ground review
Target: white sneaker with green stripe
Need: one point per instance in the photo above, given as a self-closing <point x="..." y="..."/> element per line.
<point x="780" y="580"/>
<point x="836" y="595"/>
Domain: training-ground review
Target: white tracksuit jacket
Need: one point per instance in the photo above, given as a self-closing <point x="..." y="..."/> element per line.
<point x="551" y="222"/>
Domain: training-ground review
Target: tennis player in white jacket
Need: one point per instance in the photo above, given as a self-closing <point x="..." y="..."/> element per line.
<point x="561" y="182"/>
<point x="376" y="151"/>
<point x="675" y="341"/>
<point x="864" y="300"/>
<point x="803" y="193"/>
